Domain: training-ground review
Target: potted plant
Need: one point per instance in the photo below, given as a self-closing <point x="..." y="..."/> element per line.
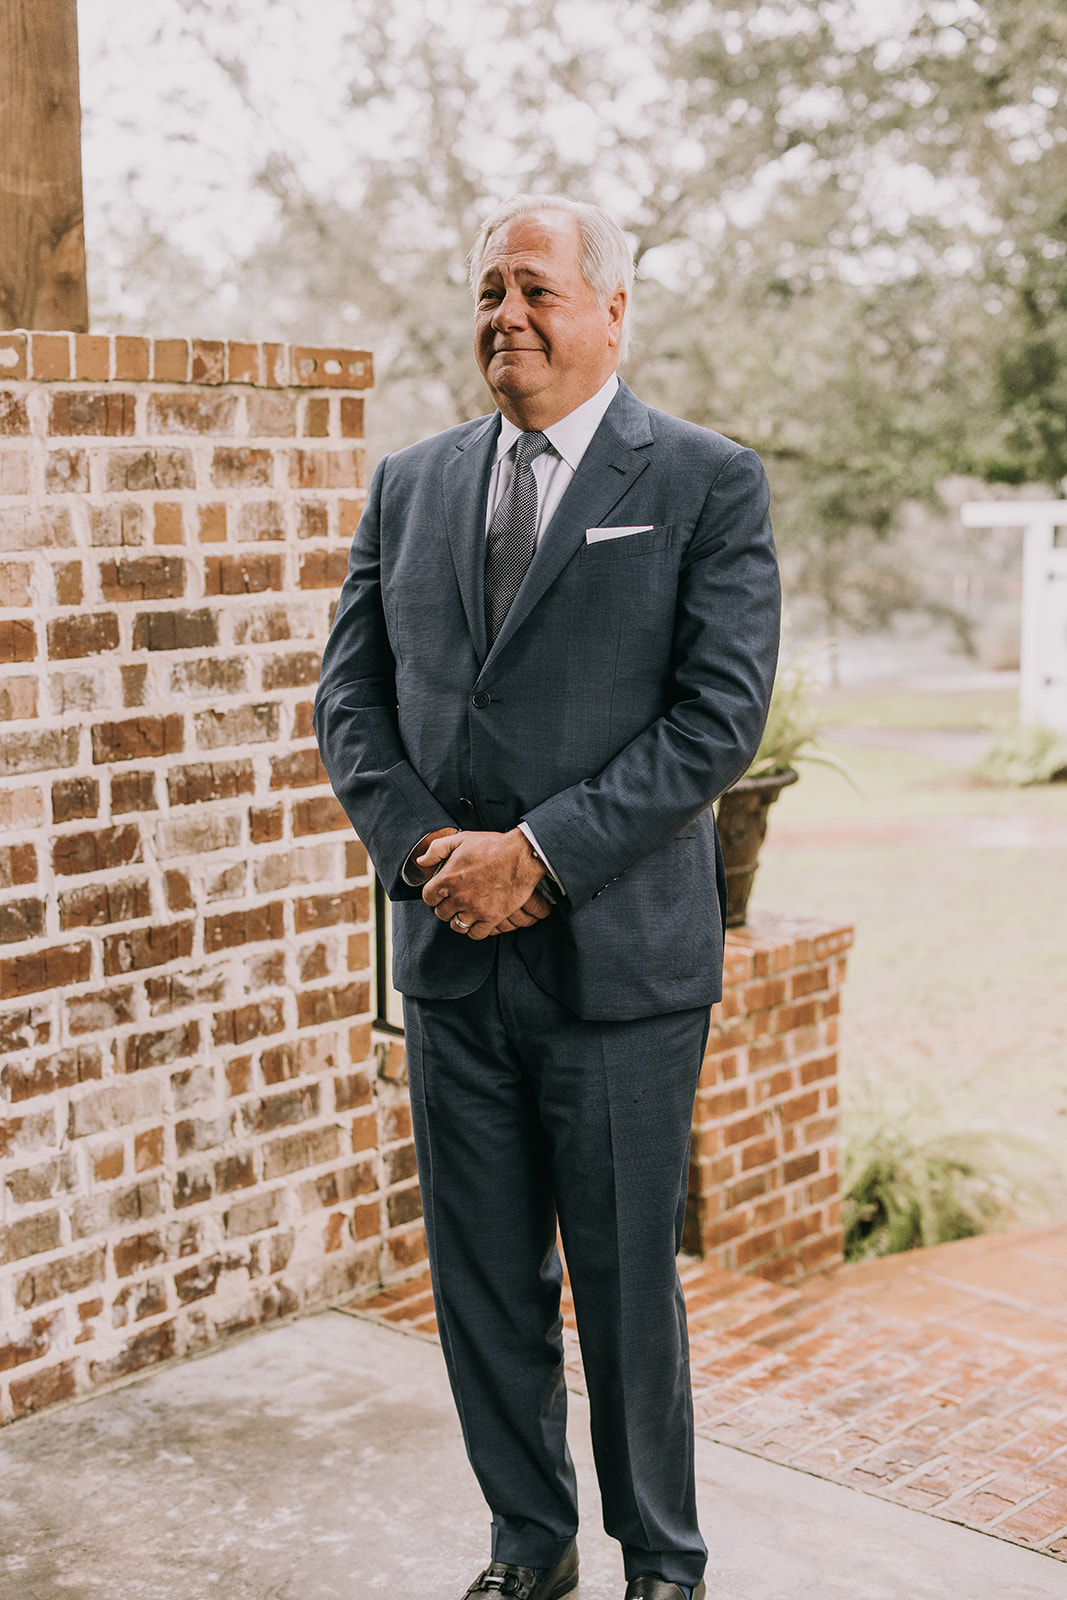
<point x="792" y="729"/>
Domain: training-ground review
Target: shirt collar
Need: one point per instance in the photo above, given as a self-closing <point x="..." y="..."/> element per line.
<point x="570" y="437"/>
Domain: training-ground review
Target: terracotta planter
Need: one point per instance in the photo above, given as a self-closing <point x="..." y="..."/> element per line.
<point x="742" y="822"/>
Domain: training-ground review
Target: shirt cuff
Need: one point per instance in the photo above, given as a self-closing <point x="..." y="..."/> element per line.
<point x="524" y="827"/>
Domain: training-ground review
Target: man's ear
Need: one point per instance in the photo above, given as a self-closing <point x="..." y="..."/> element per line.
<point x="616" y="313"/>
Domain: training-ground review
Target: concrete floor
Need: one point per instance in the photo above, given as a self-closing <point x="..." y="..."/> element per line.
<point x="323" y="1461"/>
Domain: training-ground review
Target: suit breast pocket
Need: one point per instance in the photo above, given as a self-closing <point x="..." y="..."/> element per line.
<point x="650" y="543"/>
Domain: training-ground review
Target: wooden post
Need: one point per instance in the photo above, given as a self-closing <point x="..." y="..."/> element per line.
<point x="42" y="239"/>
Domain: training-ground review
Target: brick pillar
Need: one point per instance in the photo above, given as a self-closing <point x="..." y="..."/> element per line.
<point x="763" y="1176"/>
<point x="193" y="1134"/>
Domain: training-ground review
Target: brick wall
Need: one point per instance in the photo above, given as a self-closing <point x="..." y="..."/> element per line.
<point x="763" y="1177"/>
<point x="194" y="1135"/>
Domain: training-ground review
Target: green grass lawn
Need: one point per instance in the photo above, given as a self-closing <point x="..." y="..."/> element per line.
<point x="955" y="1009"/>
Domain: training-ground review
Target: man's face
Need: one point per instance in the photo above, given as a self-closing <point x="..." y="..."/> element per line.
<point x="543" y="342"/>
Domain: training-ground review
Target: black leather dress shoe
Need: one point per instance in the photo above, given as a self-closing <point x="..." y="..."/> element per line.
<point x="510" y="1582"/>
<point x="649" y="1586"/>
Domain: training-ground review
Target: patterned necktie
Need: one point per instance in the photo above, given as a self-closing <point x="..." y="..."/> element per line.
<point x="513" y="534"/>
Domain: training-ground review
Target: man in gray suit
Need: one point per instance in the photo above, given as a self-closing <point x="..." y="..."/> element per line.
<point x="554" y="649"/>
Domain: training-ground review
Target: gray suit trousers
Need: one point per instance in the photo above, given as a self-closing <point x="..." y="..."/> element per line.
<point x="524" y="1114"/>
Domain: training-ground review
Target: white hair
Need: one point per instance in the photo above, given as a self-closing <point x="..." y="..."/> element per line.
<point x="604" y="253"/>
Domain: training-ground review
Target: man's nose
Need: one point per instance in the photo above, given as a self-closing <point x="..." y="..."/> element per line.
<point x="511" y="312"/>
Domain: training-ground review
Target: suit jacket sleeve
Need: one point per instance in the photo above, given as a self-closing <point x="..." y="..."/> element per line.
<point x="355" y="717"/>
<point x="724" y="656"/>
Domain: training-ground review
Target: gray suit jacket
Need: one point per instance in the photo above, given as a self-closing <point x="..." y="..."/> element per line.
<point x="627" y="689"/>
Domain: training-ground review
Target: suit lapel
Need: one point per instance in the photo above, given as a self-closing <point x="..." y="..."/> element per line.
<point x="465" y="488"/>
<point x="618" y="453"/>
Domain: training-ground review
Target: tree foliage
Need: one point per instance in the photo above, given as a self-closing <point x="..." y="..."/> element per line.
<point x="850" y="224"/>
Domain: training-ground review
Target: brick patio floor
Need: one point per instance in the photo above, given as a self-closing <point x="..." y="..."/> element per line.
<point x="937" y="1379"/>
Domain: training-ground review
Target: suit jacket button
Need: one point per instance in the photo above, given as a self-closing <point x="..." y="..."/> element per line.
<point x="480" y="700"/>
<point x="468" y="805"/>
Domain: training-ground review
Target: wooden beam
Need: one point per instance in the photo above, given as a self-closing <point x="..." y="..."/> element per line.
<point x="42" y="237"/>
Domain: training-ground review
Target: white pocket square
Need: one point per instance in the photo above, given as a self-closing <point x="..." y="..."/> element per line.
<point x="595" y="535"/>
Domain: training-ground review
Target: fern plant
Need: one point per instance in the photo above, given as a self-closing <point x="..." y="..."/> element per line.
<point x="1024" y="753"/>
<point x="899" y="1193"/>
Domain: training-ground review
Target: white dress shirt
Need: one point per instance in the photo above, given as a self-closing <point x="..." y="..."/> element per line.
<point x="553" y="469"/>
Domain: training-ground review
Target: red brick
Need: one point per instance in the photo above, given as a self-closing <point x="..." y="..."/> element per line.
<point x="265" y="825"/>
<point x="758" y="1154"/>
<point x="281" y="1110"/>
<point x="44" y="1388"/>
<point x="74" y="798"/>
<point x="799" y="1108"/>
<point x="138" y="739"/>
<point x="187" y="411"/>
<point x="24" y="1082"/>
<point x="14" y="419"/>
<point x="323" y="569"/>
<point x="21" y="919"/>
<point x="140" y="469"/>
<point x="66" y="472"/>
<point x="241" y="467"/>
<point x="204" y="781"/>
<point x="292" y="1153"/>
<point x="32" y="1236"/>
<point x="823" y="1067"/>
<point x="147" y="947"/>
<point x="140" y="1251"/>
<point x="298" y="770"/>
<point x="209" y="361"/>
<point x="167" y="524"/>
<point x="248" y="1022"/>
<point x="251" y="574"/>
<point x="67" y="576"/>
<point x="108" y="412"/>
<point x="18" y="640"/>
<point x="143" y="578"/>
<point x="244" y="927"/>
<point x="233" y="1173"/>
<point x="69" y="1275"/>
<point x="170" y="360"/>
<point x="144" y="1350"/>
<point x="316" y="418"/>
<point x="175" y="630"/>
<point x="351" y="417"/>
<point x="348" y="515"/>
<point x="745" y="1128"/>
<point x="196" y="1283"/>
<point x="325" y="469"/>
<point x="753" y="1247"/>
<point x="313" y="520"/>
<point x="96" y="851"/>
<point x="322" y="815"/>
<point x="247" y="724"/>
<point x="316" y="1006"/>
<point x="148" y="1149"/>
<point x="45" y="969"/>
<point x="99" y="904"/>
<point x="21" y="1029"/>
<point x="179" y="894"/>
<point x="92" y="357"/>
<point x="356" y="864"/>
<point x="140" y="1052"/>
<point x="294" y="671"/>
<point x="18" y="864"/>
<point x="132" y="791"/>
<point x="131" y="358"/>
<point x="96" y="1013"/>
<point x="212" y="524"/>
<point x="136" y="1301"/>
<point x="14" y="575"/>
<point x="404" y="1205"/>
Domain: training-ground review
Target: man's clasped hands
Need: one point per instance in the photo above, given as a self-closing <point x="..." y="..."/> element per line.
<point x="482" y="884"/>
